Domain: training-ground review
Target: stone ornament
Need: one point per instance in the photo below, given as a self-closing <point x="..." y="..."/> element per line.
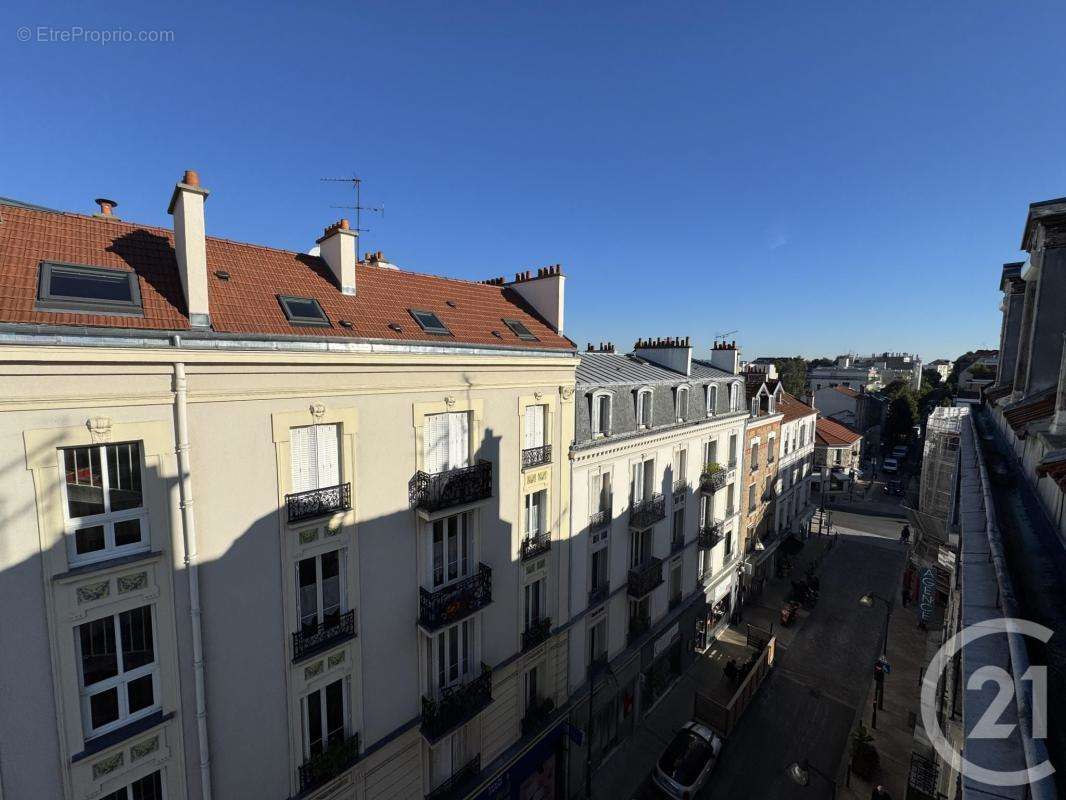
<point x="99" y="429"/>
<point x="449" y="401"/>
<point x="106" y="766"/>
<point x="336" y="658"/>
<point x="142" y="749"/>
<point x="313" y="670"/>
<point x="566" y="391"/>
<point x="132" y="583"/>
<point x="318" y="411"/>
<point x="91" y="592"/>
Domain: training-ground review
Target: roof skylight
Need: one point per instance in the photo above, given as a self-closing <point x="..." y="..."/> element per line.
<point x="430" y="322"/>
<point x="520" y="330"/>
<point x="94" y="290"/>
<point x="303" y="311"/>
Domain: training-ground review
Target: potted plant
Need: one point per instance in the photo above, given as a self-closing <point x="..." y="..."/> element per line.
<point x="864" y="757"/>
<point x="713" y="475"/>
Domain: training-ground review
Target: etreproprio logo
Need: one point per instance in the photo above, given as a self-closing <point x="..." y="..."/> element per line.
<point x="988" y="727"/>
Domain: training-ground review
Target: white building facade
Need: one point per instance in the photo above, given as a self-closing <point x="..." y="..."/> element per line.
<point x="795" y="464"/>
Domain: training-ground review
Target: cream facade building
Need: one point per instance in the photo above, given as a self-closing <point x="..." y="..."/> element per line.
<point x="276" y="525"/>
<point x="795" y="463"/>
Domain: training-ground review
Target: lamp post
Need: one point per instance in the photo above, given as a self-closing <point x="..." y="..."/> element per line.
<point x="867" y="601"/>
<point x="800" y="773"/>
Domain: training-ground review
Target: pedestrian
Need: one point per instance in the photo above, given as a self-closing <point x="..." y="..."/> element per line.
<point x="905" y="534"/>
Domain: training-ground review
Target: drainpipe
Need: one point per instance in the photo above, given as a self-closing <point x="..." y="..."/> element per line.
<point x="188" y="524"/>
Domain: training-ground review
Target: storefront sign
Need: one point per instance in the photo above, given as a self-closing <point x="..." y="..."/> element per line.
<point x="927" y="582"/>
<point x="946" y="558"/>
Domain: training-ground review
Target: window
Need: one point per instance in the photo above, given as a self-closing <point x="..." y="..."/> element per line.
<point x="598" y="640"/>
<point x="99" y="290"/>
<point x="771" y="404"/>
<point x="681" y="465"/>
<point x="706" y="563"/>
<point x="734" y="397"/>
<point x="315" y="455"/>
<point x="605" y="492"/>
<point x="644" y="408"/>
<point x="535" y="601"/>
<point x="325" y="716"/>
<point x="429" y="322"/>
<point x="535" y="506"/>
<point x="303" y="311"/>
<point x="598" y="577"/>
<point x="640" y="547"/>
<point x="770" y="448"/>
<point x="678" y="534"/>
<point x="754" y="456"/>
<point x="119" y="679"/>
<point x="710" y="452"/>
<point x="534" y="426"/>
<point x="755" y="406"/>
<point x="728" y="544"/>
<point x="601" y="414"/>
<point x="450" y="756"/>
<point x="454" y="648"/>
<point x="103" y="502"/>
<point x="732" y="449"/>
<point x="675" y="580"/>
<point x="729" y="506"/>
<point x="532" y="687"/>
<point x="452" y="556"/>
<point x="150" y="787"/>
<point x="682" y="403"/>
<point x="519" y="329"/>
<point x="751" y="497"/>
<point x="643" y="486"/>
<point x="712" y="399"/>
<point x="320" y="590"/>
<point x="446" y="442"/>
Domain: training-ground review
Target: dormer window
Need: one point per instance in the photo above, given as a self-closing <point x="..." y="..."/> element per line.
<point x="91" y="290"/>
<point x="755" y="406"/>
<point x="519" y="329"/>
<point x="429" y="322"/>
<point x="771" y="404"/>
<point x="601" y="414"/>
<point x="734" y="397"/>
<point x="712" y="399"/>
<point x="303" y="311"/>
<point x="682" y="403"/>
<point x="644" y="398"/>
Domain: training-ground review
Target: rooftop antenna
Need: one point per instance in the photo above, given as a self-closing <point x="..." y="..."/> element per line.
<point x="723" y="334"/>
<point x="358" y="208"/>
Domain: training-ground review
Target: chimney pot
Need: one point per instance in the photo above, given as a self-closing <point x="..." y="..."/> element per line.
<point x="106" y="206"/>
<point x="191" y="178"/>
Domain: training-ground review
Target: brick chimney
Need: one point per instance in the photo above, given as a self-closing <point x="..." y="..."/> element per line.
<point x="1043" y="323"/>
<point x="673" y="353"/>
<point x="544" y="291"/>
<point x="107" y="208"/>
<point x="339" y="248"/>
<point x="190" y="245"/>
<point x="1013" y="288"/>
<point x="726" y="356"/>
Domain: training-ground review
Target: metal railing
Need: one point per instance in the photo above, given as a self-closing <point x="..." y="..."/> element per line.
<point x="537" y="715"/>
<point x="460" y="781"/>
<point x="600" y="520"/>
<point x="451" y="603"/>
<point x="647" y="512"/>
<point x="305" y="643"/>
<point x="535" y="456"/>
<point x="711" y="482"/>
<point x="536" y="544"/>
<point x="709" y="535"/>
<point x="680" y="491"/>
<point x="318" y="502"/>
<point x="328" y="764"/>
<point x="456" y="705"/>
<point x="644" y="578"/>
<point x="536" y="632"/>
<point x="454" y="487"/>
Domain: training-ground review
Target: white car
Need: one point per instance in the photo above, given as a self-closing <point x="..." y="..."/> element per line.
<point x="890" y="465"/>
<point x="687" y="762"/>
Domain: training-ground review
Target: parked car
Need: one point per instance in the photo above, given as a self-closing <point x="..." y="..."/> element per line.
<point x="890" y="465"/>
<point x="899" y="451"/>
<point x="687" y="762"/>
<point x="894" y="487"/>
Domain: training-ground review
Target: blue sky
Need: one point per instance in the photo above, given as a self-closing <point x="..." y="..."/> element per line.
<point x="820" y="177"/>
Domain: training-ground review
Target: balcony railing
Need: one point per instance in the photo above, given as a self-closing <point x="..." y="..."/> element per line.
<point x="712" y="480"/>
<point x="680" y="491"/>
<point x="318" y="502"/>
<point x="536" y="632"/>
<point x="638" y="625"/>
<point x="455" y="487"/>
<point x="598" y="595"/>
<point x="644" y="578"/>
<point x="647" y="512"/>
<point x="456" y="705"/>
<point x="709" y="535"/>
<point x="537" y="715"/>
<point x="536" y="544"/>
<point x="306" y="643"/>
<point x="535" y="456"/>
<point x="459" y="783"/>
<point x="600" y="520"/>
<point x="330" y="763"/>
<point x="455" y="601"/>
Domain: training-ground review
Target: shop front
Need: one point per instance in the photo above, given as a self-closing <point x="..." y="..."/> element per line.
<point x="715" y="616"/>
<point x="535" y="774"/>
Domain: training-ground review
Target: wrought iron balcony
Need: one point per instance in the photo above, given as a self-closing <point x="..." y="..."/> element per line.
<point x="459" y="783"/>
<point x="710" y="535"/>
<point x="537" y="715"/>
<point x="325" y="634"/>
<point x="638" y="625"/>
<point x="454" y="487"/>
<point x="535" y="456"/>
<point x="535" y="545"/>
<point x="711" y="480"/>
<point x="598" y="595"/>
<point x="647" y="512"/>
<point x="680" y="491"/>
<point x="451" y="603"/>
<point x="536" y="632"/>
<point x="644" y="578"/>
<point x="600" y="520"/>
<point x="456" y="705"/>
<point x="330" y="763"/>
<point x="318" y="502"/>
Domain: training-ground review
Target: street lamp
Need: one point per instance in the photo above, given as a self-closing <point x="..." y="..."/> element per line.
<point x="867" y="601"/>
<point x="800" y="773"/>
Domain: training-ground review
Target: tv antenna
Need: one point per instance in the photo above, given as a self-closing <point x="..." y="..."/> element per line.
<point x="358" y="208"/>
<point x="723" y="334"/>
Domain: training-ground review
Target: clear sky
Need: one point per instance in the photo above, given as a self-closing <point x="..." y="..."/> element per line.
<point x="819" y="176"/>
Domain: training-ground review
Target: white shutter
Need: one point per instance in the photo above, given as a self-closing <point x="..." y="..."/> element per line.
<point x="637" y="490"/>
<point x="302" y="447"/>
<point x="327" y="439"/>
<point x="435" y="443"/>
<point x="534" y="436"/>
<point x="458" y="440"/>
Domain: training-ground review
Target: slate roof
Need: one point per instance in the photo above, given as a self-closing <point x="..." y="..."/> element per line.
<point x="1020" y="415"/>
<point x="605" y="369"/>
<point x="247" y="302"/>
<point x="831" y="433"/>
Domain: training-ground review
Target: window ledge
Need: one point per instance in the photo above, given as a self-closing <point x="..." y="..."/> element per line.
<point x="120" y="735"/>
<point x="111" y="563"/>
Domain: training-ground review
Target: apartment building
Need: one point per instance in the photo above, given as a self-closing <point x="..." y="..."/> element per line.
<point x="656" y="458"/>
<point x="762" y="436"/>
<point x="365" y="598"/>
<point x="795" y="464"/>
<point x="836" y="454"/>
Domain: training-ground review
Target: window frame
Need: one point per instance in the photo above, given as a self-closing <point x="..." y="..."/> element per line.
<point x="466" y="550"/>
<point x="643" y="404"/>
<point x="712" y="399"/>
<point x="681" y="398"/>
<point x="439" y="329"/>
<point x="342" y="599"/>
<point x="47" y="301"/>
<point x="306" y="721"/>
<point x="519" y="329"/>
<point x="107" y="519"/>
<point x="598" y="428"/>
<point x="126" y="791"/>
<point x="300" y="320"/>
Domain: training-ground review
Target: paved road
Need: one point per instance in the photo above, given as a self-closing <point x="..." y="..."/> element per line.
<point x="806" y="708"/>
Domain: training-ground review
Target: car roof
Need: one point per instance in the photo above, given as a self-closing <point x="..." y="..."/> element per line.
<point x="699" y="729"/>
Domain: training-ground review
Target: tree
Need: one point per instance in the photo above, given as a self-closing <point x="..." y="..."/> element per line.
<point x="793" y="374"/>
<point x="932" y="377"/>
<point x="902" y="414"/>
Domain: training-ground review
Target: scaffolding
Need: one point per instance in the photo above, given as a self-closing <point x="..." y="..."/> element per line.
<point x="936" y="493"/>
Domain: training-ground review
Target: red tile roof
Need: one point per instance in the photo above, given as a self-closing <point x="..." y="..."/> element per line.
<point x="247" y="302"/>
<point x="830" y="433"/>
<point x="845" y="390"/>
<point x="793" y="408"/>
<point x="1020" y="416"/>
